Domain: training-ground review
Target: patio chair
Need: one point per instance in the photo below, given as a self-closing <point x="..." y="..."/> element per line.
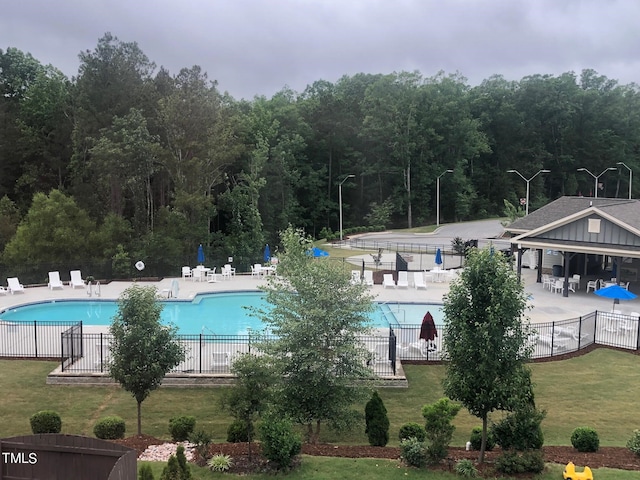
<point x="103" y="353"/>
<point x="593" y="285"/>
<point x="54" y="280"/>
<point x="355" y="277"/>
<point x="418" y="280"/>
<point x="558" y="286"/>
<point x="547" y="281"/>
<point x="220" y="360"/>
<point x="229" y="271"/>
<point x="626" y="326"/>
<point x="76" y="279"/>
<point x="387" y="281"/>
<point x="186" y="272"/>
<point x="14" y="285"/>
<point x="368" y="278"/>
<point x="403" y="279"/>
<point x="256" y="270"/>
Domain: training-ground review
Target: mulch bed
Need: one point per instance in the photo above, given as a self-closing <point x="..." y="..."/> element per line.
<point x="611" y="457"/>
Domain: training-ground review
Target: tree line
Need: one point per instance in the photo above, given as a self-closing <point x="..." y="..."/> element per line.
<point x="157" y="163"/>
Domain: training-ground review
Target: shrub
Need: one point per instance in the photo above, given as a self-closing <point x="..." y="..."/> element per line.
<point x="181" y="427"/>
<point x="438" y="427"/>
<point x="220" y="463"/>
<point x="513" y="462"/>
<point x="520" y="430"/>
<point x="413" y="452"/>
<point x="239" y="431"/>
<point x="412" y="429"/>
<point x="634" y="442"/>
<point x="171" y="470"/>
<point x="109" y="428"/>
<point x="585" y="439"/>
<point x="466" y="468"/>
<point x="45" y="421"/>
<point x="201" y="440"/>
<point x="145" y="472"/>
<point x="279" y="443"/>
<point x="377" y="422"/>
<point x="182" y="463"/>
<point x="476" y="439"/>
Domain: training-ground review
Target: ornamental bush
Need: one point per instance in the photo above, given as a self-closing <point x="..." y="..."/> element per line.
<point x="145" y="472"/>
<point x="585" y="439"/>
<point x="520" y="462"/>
<point x="377" y="422"/>
<point x="181" y="427"/>
<point x="109" y="428"/>
<point x="634" y="442"/>
<point x="414" y="452"/>
<point x="466" y="468"/>
<point x="279" y="443"/>
<point x="520" y="430"/>
<point x="476" y="439"/>
<point x="45" y="421"/>
<point x="439" y="430"/>
<point x="412" y="429"/>
<point x="238" y="431"/>
<point x="220" y="462"/>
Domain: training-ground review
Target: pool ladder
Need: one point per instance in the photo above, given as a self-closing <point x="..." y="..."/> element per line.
<point x="91" y="291"/>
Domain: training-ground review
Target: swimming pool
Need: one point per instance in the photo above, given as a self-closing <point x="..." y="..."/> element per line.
<point x="218" y="313"/>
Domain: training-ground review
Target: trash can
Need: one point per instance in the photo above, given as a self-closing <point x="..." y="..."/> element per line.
<point x="557" y="271"/>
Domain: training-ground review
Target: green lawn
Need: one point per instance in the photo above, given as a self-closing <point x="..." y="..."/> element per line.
<point x="597" y="390"/>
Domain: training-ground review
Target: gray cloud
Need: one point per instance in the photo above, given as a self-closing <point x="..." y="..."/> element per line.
<point x="255" y="47"/>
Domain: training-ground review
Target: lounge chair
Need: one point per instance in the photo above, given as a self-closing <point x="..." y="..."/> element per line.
<point x="186" y="272"/>
<point x="355" y="277"/>
<point x="14" y="285"/>
<point x="387" y="281"/>
<point x="368" y="278"/>
<point x="54" y="280"/>
<point x="403" y="279"/>
<point x="76" y="279"/>
<point x="418" y="280"/>
<point x="220" y="360"/>
<point x="256" y="270"/>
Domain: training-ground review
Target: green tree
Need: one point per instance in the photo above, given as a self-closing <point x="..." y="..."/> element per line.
<point x="486" y="337"/>
<point x="316" y="317"/>
<point x="143" y="349"/>
<point x="249" y="396"/>
<point x="377" y="422"/>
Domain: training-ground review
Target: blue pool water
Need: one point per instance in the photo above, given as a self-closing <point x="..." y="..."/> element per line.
<point x="218" y="313"/>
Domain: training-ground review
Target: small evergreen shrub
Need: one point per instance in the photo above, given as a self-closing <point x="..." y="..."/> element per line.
<point x="145" y="472"/>
<point x="220" y="463"/>
<point x="109" y="428"/>
<point x="182" y="463"/>
<point x="279" y="443"/>
<point x="520" y="430"/>
<point x="201" y="440"/>
<point x="512" y="462"/>
<point x="181" y="427"/>
<point x="171" y="470"/>
<point x="414" y="430"/>
<point x="438" y="427"/>
<point x="633" y="443"/>
<point x="377" y="422"/>
<point x="238" y="431"/>
<point x="466" y="468"/>
<point x="413" y="452"/>
<point x="45" y="421"/>
<point x="476" y="439"/>
<point x="585" y="439"/>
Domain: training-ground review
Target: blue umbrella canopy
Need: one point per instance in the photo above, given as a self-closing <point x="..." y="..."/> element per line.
<point x="438" y="257"/>
<point x="200" y="255"/>
<point x="317" y="252"/>
<point x="267" y="254"/>
<point x="616" y="292"/>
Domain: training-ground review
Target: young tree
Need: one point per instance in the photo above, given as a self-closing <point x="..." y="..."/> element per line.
<point x="143" y="349"/>
<point x="375" y="415"/>
<point x="486" y="337"/>
<point x="316" y="316"/>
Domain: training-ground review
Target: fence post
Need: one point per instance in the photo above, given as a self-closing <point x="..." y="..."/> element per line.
<point x="200" y="361"/>
<point x="62" y="351"/>
<point x="35" y="336"/>
<point x="638" y="336"/>
<point x="580" y="331"/>
<point x="553" y="331"/>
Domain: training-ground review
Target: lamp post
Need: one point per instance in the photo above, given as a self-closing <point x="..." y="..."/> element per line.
<point x="340" y="199"/>
<point x="526" y="210"/>
<point x="438" y="196"/>
<point x="596" y="177"/>
<point x="630" y="176"/>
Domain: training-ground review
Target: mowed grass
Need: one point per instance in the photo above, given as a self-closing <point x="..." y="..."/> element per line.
<point x="599" y="389"/>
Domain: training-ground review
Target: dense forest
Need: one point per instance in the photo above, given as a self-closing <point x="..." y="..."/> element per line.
<point x="129" y="161"/>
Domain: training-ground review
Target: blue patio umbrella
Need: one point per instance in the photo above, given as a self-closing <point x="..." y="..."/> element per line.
<point x="438" y="257"/>
<point x="317" y="252"/>
<point x="616" y="292"/>
<point x="267" y="254"/>
<point x="200" y="255"/>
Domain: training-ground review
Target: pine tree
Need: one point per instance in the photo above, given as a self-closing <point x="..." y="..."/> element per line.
<point x="377" y="422"/>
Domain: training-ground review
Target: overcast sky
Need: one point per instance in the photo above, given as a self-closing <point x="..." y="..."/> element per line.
<point x="256" y="47"/>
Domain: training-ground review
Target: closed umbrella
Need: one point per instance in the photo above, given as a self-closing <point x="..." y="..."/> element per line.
<point x="428" y="330"/>
<point x="616" y="292"/>
<point x="438" y="257"/>
<point x="267" y="254"/>
<point x="200" y="255"/>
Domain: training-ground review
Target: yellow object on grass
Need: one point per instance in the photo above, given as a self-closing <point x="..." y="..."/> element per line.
<point x="571" y="474"/>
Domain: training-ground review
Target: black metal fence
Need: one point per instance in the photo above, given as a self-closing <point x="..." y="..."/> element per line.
<point x="32" y="339"/>
<point x="71" y="345"/>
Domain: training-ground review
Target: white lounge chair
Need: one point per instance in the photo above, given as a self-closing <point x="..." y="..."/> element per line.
<point x="54" y="280"/>
<point x="256" y="270"/>
<point x="355" y="277"/>
<point x="228" y="271"/>
<point x="368" y="278"/>
<point x="76" y="279"/>
<point x="220" y="360"/>
<point x="403" y="279"/>
<point x="387" y="281"/>
<point x="14" y="285"/>
<point x="418" y="280"/>
<point x="186" y="272"/>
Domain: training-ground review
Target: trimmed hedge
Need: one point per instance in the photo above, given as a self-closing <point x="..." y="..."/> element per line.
<point x="109" y="428"/>
<point x="45" y="421"/>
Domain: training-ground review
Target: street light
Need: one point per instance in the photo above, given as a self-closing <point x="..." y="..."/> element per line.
<point x="340" y="200"/>
<point x="630" y="176"/>
<point x="438" y="196"/>
<point x="526" y="211"/>
<point x="596" y="177"/>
